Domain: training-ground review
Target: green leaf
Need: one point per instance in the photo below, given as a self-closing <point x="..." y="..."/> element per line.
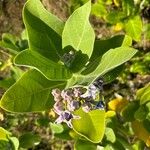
<point x="65" y="135"/>
<point x="141" y="113"/>
<point x="44" y="29"/>
<point x="146" y="124"/>
<point x="113" y="74"/>
<point x="112" y="59"/>
<point x="94" y="131"/>
<point x="78" y="32"/>
<point x="9" y="42"/>
<point x="143" y="94"/>
<point x="115" y="16"/>
<point x="28" y="140"/>
<point x="79" y="62"/>
<point x="101" y="47"/>
<point x="129" y="110"/>
<point x="148" y="106"/>
<point x="84" y="145"/>
<point x="56" y="128"/>
<point x="32" y="92"/>
<point x="124" y="142"/>
<point x="4" y="134"/>
<point x="139" y="67"/>
<point x="133" y="28"/>
<point x="110" y="135"/>
<point x="103" y="59"/>
<point x="128" y="6"/>
<point x="5" y="145"/>
<point x="15" y="143"/>
<point x="99" y="9"/>
<point x="146" y="28"/>
<point x="6" y="83"/>
<point x="48" y="68"/>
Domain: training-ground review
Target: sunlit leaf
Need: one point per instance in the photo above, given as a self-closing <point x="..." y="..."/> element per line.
<point x="56" y="128"/>
<point x="15" y="142"/>
<point x="4" y="134"/>
<point x="50" y="69"/>
<point x="94" y="131"/>
<point x="32" y="92"/>
<point x="78" y="32"/>
<point x="133" y="28"/>
<point x="110" y="135"/>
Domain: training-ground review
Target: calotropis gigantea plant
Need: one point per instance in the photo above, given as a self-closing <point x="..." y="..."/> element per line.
<point x="63" y="55"/>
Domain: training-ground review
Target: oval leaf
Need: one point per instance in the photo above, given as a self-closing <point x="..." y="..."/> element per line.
<point x="95" y="119"/>
<point x="78" y="32"/>
<point x="32" y="92"/>
<point x="51" y="70"/>
<point x="112" y="59"/>
<point x="44" y="29"/>
<point x="101" y="47"/>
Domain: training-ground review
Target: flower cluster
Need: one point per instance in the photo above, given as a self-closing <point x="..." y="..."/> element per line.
<point x="67" y="101"/>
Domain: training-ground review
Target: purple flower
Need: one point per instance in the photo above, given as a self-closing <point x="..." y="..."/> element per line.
<point x="86" y="107"/>
<point x="91" y="92"/>
<point x="73" y="105"/>
<point x="77" y="92"/>
<point x="66" y="117"/>
<point x="58" y="107"/>
<point x="57" y="94"/>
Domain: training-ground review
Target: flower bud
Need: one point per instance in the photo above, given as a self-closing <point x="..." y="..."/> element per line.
<point x="58" y="107"/>
<point x="67" y="95"/>
<point x="73" y="105"/>
<point x="86" y="107"/>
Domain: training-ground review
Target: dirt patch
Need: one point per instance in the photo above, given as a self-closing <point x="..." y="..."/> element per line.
<point x="11" y="16"/>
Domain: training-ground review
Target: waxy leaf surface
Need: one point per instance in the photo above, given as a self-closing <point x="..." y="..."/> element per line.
<point x="78" y="32"/>
<point x="31" y="93"/>
<point x="50" y="69"/>
<point x="44" y="29"/>
<point x="91" y="125"/>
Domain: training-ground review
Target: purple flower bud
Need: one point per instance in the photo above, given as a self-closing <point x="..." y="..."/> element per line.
<point x="86" y="107"/>
<point x="100" y="105"/>
<point x="77" y="92"/>
<point x="58" y="107"/>
<point x="67" y="95"/>
<point x="56" y="92"/>
<point x="73" y="105"/>
<point x="56" y="99"/>
<point x="66" y="117"/>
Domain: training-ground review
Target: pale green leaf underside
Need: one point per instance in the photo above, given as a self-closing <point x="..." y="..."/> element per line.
<point x="110" y="60"/>
<point x="31" y="93"/>
<point x="91" y="125"/>
<point x="50" y="69"/>
<point x="44" y="29"/>
<point x="78" y="32"/>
